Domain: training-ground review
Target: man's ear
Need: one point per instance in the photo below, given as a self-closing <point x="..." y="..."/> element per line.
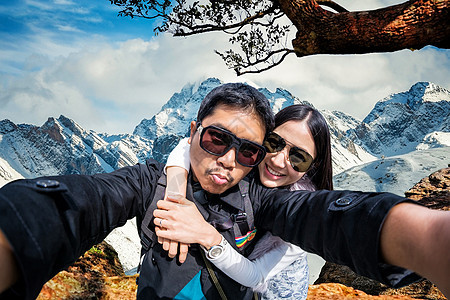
<point x="193" y="130"/>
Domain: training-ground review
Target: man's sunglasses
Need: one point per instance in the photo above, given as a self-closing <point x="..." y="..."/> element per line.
<point x="300" y="159"/>
<point x="218" y="141"/>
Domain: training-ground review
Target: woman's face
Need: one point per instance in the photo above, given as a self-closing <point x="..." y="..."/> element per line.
<point x="275" y="170"/>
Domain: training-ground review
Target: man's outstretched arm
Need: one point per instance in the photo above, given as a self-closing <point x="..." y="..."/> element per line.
<point x="9" y="272"/>
<point x="379" y="235"/>
<point x="412" y="237"/>
<point x="417" y="238"/>
<point x="49" y="222"/>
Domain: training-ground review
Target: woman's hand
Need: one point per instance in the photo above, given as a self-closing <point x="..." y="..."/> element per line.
<point x="182" y="222"/>
<point x="173" y="247"/>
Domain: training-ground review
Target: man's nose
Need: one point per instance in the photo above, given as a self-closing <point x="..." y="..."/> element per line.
<point x="228" y="160"/>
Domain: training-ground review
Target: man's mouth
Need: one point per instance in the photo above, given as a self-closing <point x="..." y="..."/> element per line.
<point x="219" y="179"/>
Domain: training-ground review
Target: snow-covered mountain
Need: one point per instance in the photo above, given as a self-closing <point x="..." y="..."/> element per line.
<point x="404" y="122"/>
<point x="414" y="120"/>
<point x="394" y="174"/>
<point x="60" y="146"/>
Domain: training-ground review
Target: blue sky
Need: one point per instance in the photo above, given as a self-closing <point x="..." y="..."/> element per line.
<point x="79" y="59"/>
<point x="28" y="26"/>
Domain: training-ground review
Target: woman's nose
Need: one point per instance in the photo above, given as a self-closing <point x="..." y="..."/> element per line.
<point x="279" y="159"/>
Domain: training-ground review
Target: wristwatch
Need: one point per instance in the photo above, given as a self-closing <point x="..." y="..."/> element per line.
<point x="217" y="250"/>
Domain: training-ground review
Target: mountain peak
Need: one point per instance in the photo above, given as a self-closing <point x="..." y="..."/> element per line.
<point x="7" y="126"/>
<point x="418" y="94"/>
<point x="401" y="121"/>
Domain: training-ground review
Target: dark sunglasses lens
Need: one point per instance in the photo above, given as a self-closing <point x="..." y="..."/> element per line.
<point x="300" y="160"/>
<point x="215" y="141"/>
<point x="274" y="143"/>
<point x="249" y="155"/>
<point x="218" y="142"/>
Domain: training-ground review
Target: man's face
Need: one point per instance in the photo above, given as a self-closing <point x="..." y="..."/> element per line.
<point x="216" y="174"/>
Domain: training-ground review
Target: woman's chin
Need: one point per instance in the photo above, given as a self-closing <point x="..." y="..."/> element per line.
<point x="269" y="183"/>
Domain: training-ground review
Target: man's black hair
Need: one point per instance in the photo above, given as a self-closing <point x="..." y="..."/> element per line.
<point x="238" y="95"/>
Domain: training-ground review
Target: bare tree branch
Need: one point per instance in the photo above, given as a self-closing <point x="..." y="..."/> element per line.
<point x="249" y="64"/>
<point x="203" y="28"/>
<point x="274" y="64"/>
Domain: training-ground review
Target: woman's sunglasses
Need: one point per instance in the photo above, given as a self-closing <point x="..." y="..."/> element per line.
<point x="300" y="159"/>
<point x="218" y="141"/>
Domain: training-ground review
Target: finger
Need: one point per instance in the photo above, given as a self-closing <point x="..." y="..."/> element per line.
<point x="173" y="249"/>
<point x="162" y="214"/>
<point x="183" y="252"/>
<point x="159" y="222"/>
<point x="169" y="204"/>
<point x="166" y="204"/>
<point x="166" y="244"/>
<point x="160" y="239"/>
<point x="175" y="197"/>
<point x="164" y="234"/>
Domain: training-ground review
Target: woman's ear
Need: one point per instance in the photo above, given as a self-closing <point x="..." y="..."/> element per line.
<point x="193" y="130"/>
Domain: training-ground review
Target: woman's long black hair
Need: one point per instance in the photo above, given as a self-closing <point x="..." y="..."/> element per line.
<point x="321" y="171"/>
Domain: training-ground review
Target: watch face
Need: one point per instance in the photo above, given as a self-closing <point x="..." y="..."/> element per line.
<point x="216" y="251"/>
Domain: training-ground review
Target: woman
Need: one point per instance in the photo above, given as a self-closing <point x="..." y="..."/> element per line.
<point x="298" y="158"/>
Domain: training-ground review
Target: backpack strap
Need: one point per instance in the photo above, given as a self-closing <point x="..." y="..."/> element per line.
<point x="147" y="235"/>
<point x="244" y="222"/>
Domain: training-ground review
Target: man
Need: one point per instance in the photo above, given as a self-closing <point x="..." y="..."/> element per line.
<point x="47" y="223"/>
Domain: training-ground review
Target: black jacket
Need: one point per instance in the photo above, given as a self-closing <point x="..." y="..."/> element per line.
<point x="51" y="221"/>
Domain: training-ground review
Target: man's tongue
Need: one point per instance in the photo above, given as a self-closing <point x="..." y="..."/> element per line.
<point x="219" y="180"/>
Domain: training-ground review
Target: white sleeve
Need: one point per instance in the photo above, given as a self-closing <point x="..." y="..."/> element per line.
<point x="254" y="273"/>
<point x="179" y="157"/>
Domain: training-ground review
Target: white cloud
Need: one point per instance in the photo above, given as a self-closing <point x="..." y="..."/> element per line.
<point x="125" y="82"/>
<point x="64" y="2"/>
<point x="67" y="28"/>
<point x="111" y="87"/>
<point x="35" y="98"/>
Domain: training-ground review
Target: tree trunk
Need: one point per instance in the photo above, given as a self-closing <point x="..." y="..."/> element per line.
<point x="410" y="25"/>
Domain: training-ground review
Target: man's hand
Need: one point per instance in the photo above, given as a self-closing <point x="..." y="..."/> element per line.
<point x="418" y="238"/>
<point x="172" y="246"/>
<point x="9" y="272"/>
<point x="183" y="223"/>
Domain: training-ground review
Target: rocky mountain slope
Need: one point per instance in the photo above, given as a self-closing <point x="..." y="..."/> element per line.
<point x="401" y="123"/>
<point x="404" y="122"/>
<point x="61" y="146"/>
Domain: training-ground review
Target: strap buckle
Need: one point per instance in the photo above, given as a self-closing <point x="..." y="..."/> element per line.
<point x="240" y="217"/>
